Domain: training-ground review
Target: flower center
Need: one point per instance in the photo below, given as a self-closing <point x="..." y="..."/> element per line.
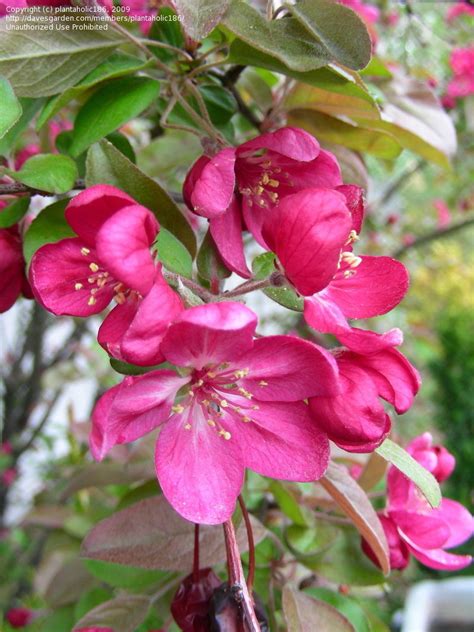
<point x="100" y="279"/>
<point x="216" y="400"/>
<point x="262" y="177"/>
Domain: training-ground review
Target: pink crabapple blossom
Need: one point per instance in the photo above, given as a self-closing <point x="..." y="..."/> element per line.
<point x="312" y="233"/>
<point x="13" y="281"/>
<point x="19" y="617"/>
<point x="110" y="259"/>
<point x="239" y="187"/>
<point x="355" y="419"/>
<point x="236" y="403"/>
<point x="460" y="8"/>
<point x="462" y="65"/>
<point x="412" y="526"/>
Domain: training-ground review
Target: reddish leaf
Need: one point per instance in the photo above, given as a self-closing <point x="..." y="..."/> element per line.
<point x="354" y="502"/>
<point x="305" y="614"/>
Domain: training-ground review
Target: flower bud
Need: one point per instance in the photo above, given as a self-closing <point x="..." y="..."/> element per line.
<point x="190" y="605"/>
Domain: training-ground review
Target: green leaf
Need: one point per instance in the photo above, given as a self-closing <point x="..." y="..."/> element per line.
<point x="89" y="600"/>
<point x="303" y="613"/>
<point x="345" y="605"/>
<point x="121" y="142"/>
<point x="168" y="30"/>
<point x="286" y="40"/>
<point x="11" y="109"/>
<point x="52" y="173"/>
<point x="42" y="62"/>
<point x="290" y="505"/>
<point x="220" y="103"/>
<point x="341" y="102"/>
<point x="61" y="620"/>
<point x="262" y="266"/>
<point x="209" y="263"/>
<point x="338" y="28"/>
<point x="199" y="17"/>
<point x="424" y="480"/>
<point x="173" y="255"/>
<point x="106" y="165"/>
<point x="29" y="107"/>
<point x="126" y="577"/>
<point x="112" y="105"/>
<point x="124" y="368"/>
<point x="381" y="143"/>
<point x="306" y="542"/>
<point x="116" y="65"/>
<point x="124" y="613"/>
<point x="12" y="213"/>
<point x="50" y="226"/>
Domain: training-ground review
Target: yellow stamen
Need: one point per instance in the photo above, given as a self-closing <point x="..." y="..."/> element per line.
<point x="177" y="408"/>
<point x="85" y="251"/>
<point x="94" y="267"/>
<point x="78" y="286"/>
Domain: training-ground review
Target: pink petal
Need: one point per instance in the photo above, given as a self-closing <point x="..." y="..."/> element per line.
<point x="399" y="553"/>
<point x="226" y="230"/>
<point x="355" y="420"/>
<point x="59" y="276"/>
<point x="201" y="473"/>
<point x="114" y="328"/>
<point x="292" y="142"/>
<point x="12" y="268"/>
<point x="255" y="217"/>
<point x="192" y="177"/>
<point x="378" y="285"/>
<point x="132" y="409"/>
<point x="324" y="315"/>
<point x="367" y="342"/>
<point x="288" y="369"/>
<point x="160" y="307"/>
<point x="355" y="203"/>
<point x="307" y="231"/>
<point x="282" y="441"/>
<point x="397" y="380"/>
<point x="214" y="188"/>
<point x="210" y="334"/>
<point x="459" y="520"/>
<point x="91" y="208"/>
<point x="439" y="559"/>
<point x="429" y="530"/>
<point x="123" y="245"/>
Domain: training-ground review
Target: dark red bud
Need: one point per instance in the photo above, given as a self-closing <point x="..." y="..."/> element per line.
<point x="190" y="605"/>
<point x="19" y="617"/>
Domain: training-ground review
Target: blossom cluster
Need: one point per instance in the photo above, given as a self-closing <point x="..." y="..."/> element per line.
<point x="412" y="526"/>
<point x="230" y="399"/>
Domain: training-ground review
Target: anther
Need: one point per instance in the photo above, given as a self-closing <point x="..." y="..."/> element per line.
<point x="94" y="267"/>
<point x="78" y="286"/>
<point x="187" y="427"/>
<point x="85" y="251"/>
<point x="263" y="383"/>
<point x="92" y="301"/>
<point x="177" y="408"/>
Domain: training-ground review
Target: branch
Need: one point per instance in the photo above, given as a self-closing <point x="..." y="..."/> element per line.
<point x="13" y="188"/>
<point x="433" y="235"/>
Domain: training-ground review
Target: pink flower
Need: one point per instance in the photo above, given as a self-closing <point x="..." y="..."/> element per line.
<point x="443" y="213"/>
<point x="236" y="403"/>
<point x="13" y="281"/>
<point x="19" y="617"/>
<point x="368" y="12"/>
<point x="413" y="527"/>
<point x="355" y="419"/>
<point x="6" y="447"/>
<point x="460" y="8"/>
<point x="9" y="476"/>
<point x="312" y="233"/>
<point x="239" y="187"/>
<point x="462" y="64"/>
<point x="435" y="458"/>
<point x="109" y="259"/>
<point x="54" y="129"/>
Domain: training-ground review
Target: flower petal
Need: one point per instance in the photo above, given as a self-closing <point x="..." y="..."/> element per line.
<point x="378" y="285"/>
<point x="399" y="553"/>
<point x="459" y="520"/>
<point x="59" y="276"/>
<point x="291" y="142"/>
<point x="324" y="315"/>
<point x="307" y="231"/>
<point x="366" y="342"/>
<point x="226" y="230"/>
<point x="397" y="380"/>
<point x="214" y="187"/>
<point x="288" y="369"/>
<point x="201" y="474"/>
<point x="123" y="246"/>
<point x="439" y="559"/>
<point x="429" y="530"/>
<point x="355" y="420"/>
<point x="132" y="409"/>
<point x="355" y="203"/>
<point x="12" y="268"/>
<point x="91" y="208"/>
<point x="282" y="441"/>
<point x="210" y="334"/>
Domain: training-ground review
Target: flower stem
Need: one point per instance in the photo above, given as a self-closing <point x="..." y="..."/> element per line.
<point x="249" y="286"/>
<point x="248" y="526"/>
<point x="196" y="555"/>
<point x="237" y="580"/>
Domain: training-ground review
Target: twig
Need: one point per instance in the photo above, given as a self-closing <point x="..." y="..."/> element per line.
<point x="37" y="430"/>
<point x="249" y="286"/>
<point x="398" y="183"/>
<point x="237" y="579"/>
<point x="197" y="289"/>
<point x="251" y="543"/>
<point x="12" y="188"/>
<point x="433" y="235"/>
